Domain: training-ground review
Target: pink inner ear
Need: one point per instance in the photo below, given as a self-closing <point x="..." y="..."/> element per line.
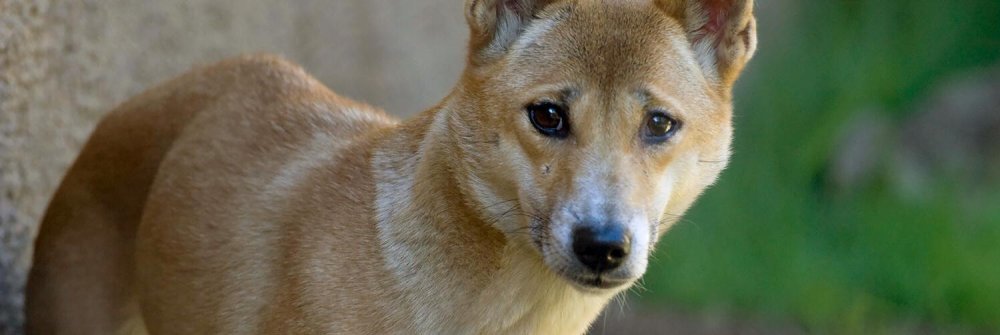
<point x="717" y="12"/>
<point x="515" y="6"/>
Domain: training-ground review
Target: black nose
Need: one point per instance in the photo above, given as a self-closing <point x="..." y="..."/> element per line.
<point x="601" y="249"/>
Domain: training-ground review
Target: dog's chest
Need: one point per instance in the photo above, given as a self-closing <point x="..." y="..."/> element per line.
<point x="523" y="298"/>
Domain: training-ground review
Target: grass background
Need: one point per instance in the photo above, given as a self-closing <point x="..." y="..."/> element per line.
<point x="773" y="238"/>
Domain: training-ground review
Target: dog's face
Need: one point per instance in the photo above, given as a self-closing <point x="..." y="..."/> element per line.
<point x="595" y="124"/>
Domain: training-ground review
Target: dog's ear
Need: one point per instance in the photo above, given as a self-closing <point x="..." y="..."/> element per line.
<point x="723" y="34"/>
<point x="496" y="24"/>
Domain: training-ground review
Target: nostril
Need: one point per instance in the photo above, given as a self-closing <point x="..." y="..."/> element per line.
<point x="601" y="249"/>
<point x="617" y="253"/>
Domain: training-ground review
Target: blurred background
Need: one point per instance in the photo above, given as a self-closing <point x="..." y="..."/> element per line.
<point x="863" y="196"/>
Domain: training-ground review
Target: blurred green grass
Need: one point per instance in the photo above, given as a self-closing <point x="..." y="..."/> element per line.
<point x="771" y="240"/>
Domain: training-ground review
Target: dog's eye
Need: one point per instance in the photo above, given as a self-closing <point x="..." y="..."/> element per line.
<point x="660" y="127"/>
<point x="549" y="119"/>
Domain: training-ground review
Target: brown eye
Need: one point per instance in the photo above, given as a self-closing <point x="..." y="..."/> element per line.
<point x="549" y="119"/>
<point x="660" y="127"/>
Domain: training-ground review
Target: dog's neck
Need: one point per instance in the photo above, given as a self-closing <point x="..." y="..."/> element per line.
<point x="447" y="258"/>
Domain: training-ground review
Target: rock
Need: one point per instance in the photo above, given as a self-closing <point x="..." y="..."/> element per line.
<point x="954" y="135"/>
<point x="951" y="136"/>
<point x="860" y="151"/>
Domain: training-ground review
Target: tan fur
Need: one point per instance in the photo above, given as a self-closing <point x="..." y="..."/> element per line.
<point x="245" y="197"/>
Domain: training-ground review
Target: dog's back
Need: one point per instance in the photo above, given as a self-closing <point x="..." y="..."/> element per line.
<point x="84" y="275"/>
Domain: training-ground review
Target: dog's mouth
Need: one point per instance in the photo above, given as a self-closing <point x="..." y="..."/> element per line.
<point x="591" y="282"/>
<point x="599" y="283"/>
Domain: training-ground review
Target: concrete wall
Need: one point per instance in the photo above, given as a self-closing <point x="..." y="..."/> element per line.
<point x="64" y="63"/>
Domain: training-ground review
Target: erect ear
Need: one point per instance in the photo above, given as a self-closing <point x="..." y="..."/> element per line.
<point x="496" y="24"/>
<point x="723" y="34"/>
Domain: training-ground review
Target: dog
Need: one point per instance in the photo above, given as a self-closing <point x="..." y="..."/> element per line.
<point x="246" y="197"/>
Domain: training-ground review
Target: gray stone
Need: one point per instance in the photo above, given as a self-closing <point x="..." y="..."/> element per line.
<point x="954" y="135"/>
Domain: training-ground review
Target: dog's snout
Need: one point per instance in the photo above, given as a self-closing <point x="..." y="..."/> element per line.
<point x="602" y="248"/>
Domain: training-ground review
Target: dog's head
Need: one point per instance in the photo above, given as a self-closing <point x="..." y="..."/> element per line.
<point x="586" y="128"/>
